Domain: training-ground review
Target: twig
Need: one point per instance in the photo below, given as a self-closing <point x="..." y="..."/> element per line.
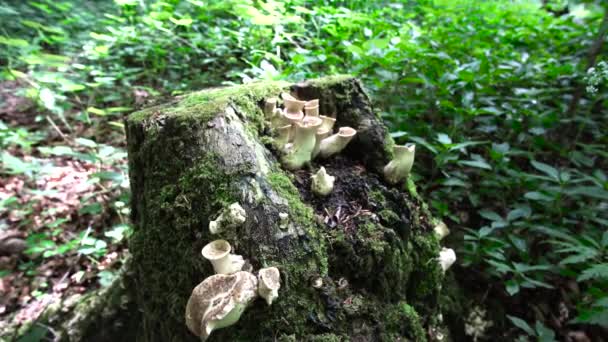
<point x="48" y="118"/>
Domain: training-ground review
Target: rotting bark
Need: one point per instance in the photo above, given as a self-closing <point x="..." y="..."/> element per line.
<point x="191" y="158"/>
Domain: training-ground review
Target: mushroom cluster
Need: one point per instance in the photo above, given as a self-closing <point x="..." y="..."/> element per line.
<point x="301" y="133"/>
<point x="220" y="300"/>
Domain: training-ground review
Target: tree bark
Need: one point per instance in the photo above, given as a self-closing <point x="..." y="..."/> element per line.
<point x="192" y="157"/>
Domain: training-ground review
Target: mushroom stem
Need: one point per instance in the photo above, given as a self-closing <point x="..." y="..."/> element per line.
<point x="320" y="135"/>
<point x="399" y="168"/>
<point x="322" y="182"/>
<point x="283" y="137"/>
<point x="218" y="253"/>
<point x="303" y="144"/>
<point x="337" y="142"/>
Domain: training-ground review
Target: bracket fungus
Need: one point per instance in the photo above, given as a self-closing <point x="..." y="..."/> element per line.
<point x="337" y="142"/>
<point x="303" y="143"/>
<point x="269" y="283"/>
<point x="218" y="302"/>
<point x="231" y="217"/>
<point x="399" y="168"/>
<point x="218" y="253"/>
<point x="322" y="182"/>
<point x="446" y="259"/>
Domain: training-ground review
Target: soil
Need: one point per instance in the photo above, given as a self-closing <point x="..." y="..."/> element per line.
<point x="351" y="197"/>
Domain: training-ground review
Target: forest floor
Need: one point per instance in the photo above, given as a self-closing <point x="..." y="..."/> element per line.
<point x="48" y="244"/>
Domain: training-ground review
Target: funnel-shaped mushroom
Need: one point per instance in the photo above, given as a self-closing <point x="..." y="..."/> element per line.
<point x="322" y="182"/>
<point x="218" y="253"/>
<point x="293" y="106"/>
<point x="328" y="123"/>
<point x="219" y="301"/>
<point x="283" y="137"/>
<point x="312" y="103"/>
<point x="337" y="142"/>
<point x="320" y="135"/>
<point x="269" y="107"/>
<point x="399" y="168"/>
<point x="231" y="217"/>
<point x="441" y="230"/>
<point x="447" y="257"/>
<point x="311" y="110"/>
<point x="269" y="282"/>
<point x="287" y="96"/>
<point x="303" y="143"/>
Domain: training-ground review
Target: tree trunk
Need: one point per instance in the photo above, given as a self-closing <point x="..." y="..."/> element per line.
<point x="371" y="245"/>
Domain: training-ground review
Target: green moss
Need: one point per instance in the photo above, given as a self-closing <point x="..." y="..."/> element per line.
<point x="389" y="146"/>
<point x="326" y="338"/>
<point x="389" y="217"/>
<point x="300" y="213"/>
<point x="204" y="105"/>
<point x="427" y="277"/>
<point x="403" y="320"/>
<point x="330" y="81"/>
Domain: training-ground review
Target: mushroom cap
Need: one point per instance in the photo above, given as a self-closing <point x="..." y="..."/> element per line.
<point x="312" y="110"/>
<point x="407" y="148"/>
<point x="270" y="277"/>
<point x="293" y="117"/>
<point x="311" y="121"/>
<point x="347" y="132"/>
<point x="218" y="301"/>
<point x="287" y="96"/>
<point x="312" y="103"/>
<point x="216" y="249"/>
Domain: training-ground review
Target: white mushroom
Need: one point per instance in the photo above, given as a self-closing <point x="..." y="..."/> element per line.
<point x="321" y="134"/>
<point x="269" y="107"/>
<point x="328" y="123"/>
<point x="303" y="143"/>
<point x="233" y="217"/>
<point x="322" y="182"/>
<point x="311" y="110"/>
<point x="441" y="230"/>
<point x="219" y="301"/>
<point x="399" y="168"/>
<point x="218" y="253"/>
<point x="447" y="257"/>
<point x="337" y="142"/>
<point x="312" y="103"/>
<point x="269" y="282"/>
<point x="283" y="220"/>
<point x="283" y="137"/>
<point x="293" y="106"/>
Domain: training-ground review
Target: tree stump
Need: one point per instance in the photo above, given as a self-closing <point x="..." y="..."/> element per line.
<point x="357" y="265"/>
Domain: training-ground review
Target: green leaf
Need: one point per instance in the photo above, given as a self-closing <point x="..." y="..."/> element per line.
<point x="599" y="272"/>
<point x="520" y="323"/>
<point x="512" y="287"/>
<point x="547" y="169"/>
<point x="181" y="22"/>
<point x="86" y="142"/>
<point x="544" y="334"/>
<point x="490" y="215"/>
<point x="16" y="42"/>
<point x="444" y="139"/>
<point x="476" y="163"/>
<point x="538" y="196"/>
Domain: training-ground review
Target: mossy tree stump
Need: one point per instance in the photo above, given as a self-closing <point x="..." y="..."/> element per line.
<point x="371" y="245"/>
